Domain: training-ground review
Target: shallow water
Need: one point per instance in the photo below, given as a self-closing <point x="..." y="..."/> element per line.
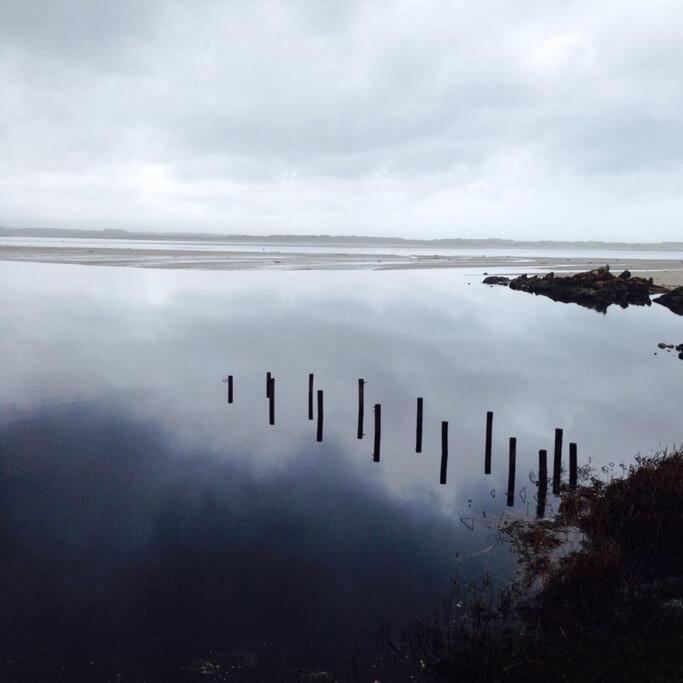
<point x="145" y="520"/>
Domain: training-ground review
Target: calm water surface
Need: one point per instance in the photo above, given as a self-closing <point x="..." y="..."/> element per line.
<point x="145" y="523"/>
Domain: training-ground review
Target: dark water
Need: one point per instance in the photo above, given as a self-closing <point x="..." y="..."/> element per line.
<point x="146" y="525"/>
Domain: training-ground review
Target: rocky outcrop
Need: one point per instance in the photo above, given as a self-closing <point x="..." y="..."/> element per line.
<point x="597" y="289"/>
<point x="673" y="300"/>
<point x="496" y="280"/>
<point x="671" y="347"/>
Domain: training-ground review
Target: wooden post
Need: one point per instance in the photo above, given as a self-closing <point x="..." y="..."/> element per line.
<point x="378" y="432"/>
<point x="543" y="470"/>
<point x="319" y="431"/>
<point x="557" y="462"/>
<point x="489" y="435"/>
<point x="573" y="469"/>
<point x="310" y="395"/>
<point x="319" y="427"/>
<point x="267" y="385"/>
<point x="511" y="471"/>
<point x="542" y="483"/>
<point x="418" y="428"/>
<point x="444" y="452"/>
<point x="361" y="406"/>
<point x="229" y="388"/>
<point x="271" y="400"/>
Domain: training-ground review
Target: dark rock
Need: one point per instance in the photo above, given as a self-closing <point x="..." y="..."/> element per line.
<point x="673" y="300"/>
<point x="597" y="289"/>
<point x="496" y="280"/>
<point x="661" y="345"/>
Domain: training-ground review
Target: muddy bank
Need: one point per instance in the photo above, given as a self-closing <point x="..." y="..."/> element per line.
<point x="665" y="270"/>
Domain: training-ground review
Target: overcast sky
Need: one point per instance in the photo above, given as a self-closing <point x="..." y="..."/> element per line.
<point x="427" y="119"/>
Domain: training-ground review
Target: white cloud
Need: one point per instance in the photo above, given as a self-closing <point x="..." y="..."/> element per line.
<point x="428" y="118"/>
<point x="568" y="50"/>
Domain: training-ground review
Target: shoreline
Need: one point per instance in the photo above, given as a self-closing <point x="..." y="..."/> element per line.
<point x="666" y="272"/>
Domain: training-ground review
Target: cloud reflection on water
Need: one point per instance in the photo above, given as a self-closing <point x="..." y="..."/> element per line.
<point x="110" y="533"/>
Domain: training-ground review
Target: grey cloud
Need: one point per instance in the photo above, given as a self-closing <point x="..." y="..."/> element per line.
<point x="317" y="100"/>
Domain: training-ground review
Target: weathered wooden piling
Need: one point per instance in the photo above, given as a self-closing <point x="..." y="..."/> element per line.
<point x="361" y="406"/>
<point x="542" y="483"/>
<point x="557" y="462"/>
<point x="573" y="466"/>
<point x="310" y="395"/>
<point x="378" y="432"/>
<point x="271" y="400"/>
<point x="319" y="431"/>
<point x="229" y="388"/>
<point x="444" y="452"/>
<point x="511" y="471"/>
<point x="489" y="436"/>
<point x="268" y="377"/>
<point x="543" y="470"/>
<point x="418" y="427"/>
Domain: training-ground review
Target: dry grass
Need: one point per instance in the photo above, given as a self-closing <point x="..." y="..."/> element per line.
<point x="612" y="605"/>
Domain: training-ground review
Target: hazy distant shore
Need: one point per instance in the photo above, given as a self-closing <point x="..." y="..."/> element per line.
<point x="665" y="271"/>
<point x="332" y="240"/>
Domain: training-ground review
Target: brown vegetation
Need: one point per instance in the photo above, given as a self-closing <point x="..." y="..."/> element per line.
<point x="610" y="610"/>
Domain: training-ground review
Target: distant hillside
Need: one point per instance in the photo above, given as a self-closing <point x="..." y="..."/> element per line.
<point x="60" y="233"/>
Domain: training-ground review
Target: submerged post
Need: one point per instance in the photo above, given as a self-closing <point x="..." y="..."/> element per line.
<point x="511" y="471"/>
<point x="319" y="431"/>
<point x="557" y="462"/>
<point x="378" y="432"/>
<point x="418" y="427"/>
<point x="542" y="483"/>
<point x="267" y="385"/>
<point x="271" y="400"/>
<point x="489" y="435"/>
<point x="310" y="395"/>
<point x="361" y="406"/>
<point x="229" y="388"/>
<point x="444" y="451"/>
<point x="573" y="469"/>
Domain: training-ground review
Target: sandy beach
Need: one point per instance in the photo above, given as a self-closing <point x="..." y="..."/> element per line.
<point x="665" y="271"/>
